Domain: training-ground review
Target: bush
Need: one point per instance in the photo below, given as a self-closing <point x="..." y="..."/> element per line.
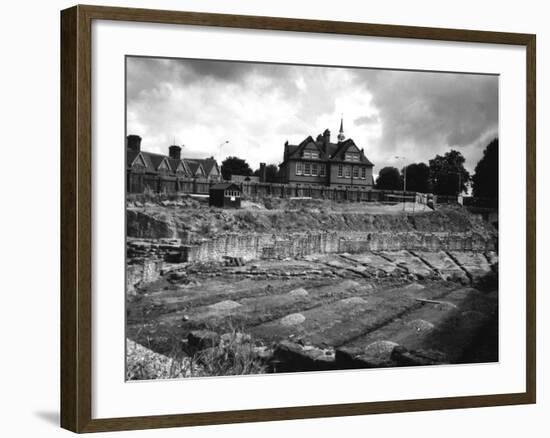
<point x="233" y="356"/>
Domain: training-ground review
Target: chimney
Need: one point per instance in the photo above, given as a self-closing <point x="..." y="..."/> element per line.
<point x="326" y="140"/>
<point x="133" y="142"/>
<point x="175" y="152"/>
<point x="286" y="151"/>
<point x="262" y="173"/>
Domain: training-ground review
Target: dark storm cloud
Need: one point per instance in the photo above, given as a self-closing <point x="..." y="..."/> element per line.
<point x="433" y="109"/>
<point x="258" y="106"/>
<point x="148" y="73"/>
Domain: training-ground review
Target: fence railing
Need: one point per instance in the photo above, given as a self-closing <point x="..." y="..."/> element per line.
<point x="141" y="183"/>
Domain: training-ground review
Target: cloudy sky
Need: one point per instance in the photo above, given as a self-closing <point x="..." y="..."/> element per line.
<point x="257" y="107"/>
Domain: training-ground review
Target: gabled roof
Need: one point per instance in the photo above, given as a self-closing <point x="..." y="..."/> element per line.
<point x="175" y="163"/>
<point x="343" y="147"/>
<point x="224" y="186"/>
<point x="335" y="151"/>
<point x="296" y="151"/>
<point x="131" y="156"/>
<point x="157" y="159"/>
<point x="208" y="164"/>
<point x="194" y="166"/>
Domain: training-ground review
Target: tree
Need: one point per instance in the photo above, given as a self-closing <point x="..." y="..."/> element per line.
<point x="418" y="177"/>
<point x="235" y="166"/>
<point x="271" y="173"/>
<point x="485" y="179"/>
<point x="389" y="179"/>
<point x="448" y="175"/>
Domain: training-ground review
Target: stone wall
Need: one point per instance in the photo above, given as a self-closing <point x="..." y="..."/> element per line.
<point x="142" y="273"/>
<point x="257" y="246"/>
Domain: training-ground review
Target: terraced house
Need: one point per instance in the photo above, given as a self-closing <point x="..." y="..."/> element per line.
<point x="321" y="162"/>
<point x="167" y="173"/>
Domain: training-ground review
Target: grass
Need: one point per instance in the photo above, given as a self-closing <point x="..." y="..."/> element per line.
<point x="234" y="355"/>
<point x="230" y="357"/>
<point x="145" y="364"/>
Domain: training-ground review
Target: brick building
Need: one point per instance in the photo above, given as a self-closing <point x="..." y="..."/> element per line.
<point x="167" y="173"/>
<point x="321" y="162"/>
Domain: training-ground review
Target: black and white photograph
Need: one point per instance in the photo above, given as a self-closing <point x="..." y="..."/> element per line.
<point x="286" y="218"/>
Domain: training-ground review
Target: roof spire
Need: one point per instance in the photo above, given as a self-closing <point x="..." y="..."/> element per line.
<point x="341" y="135"/>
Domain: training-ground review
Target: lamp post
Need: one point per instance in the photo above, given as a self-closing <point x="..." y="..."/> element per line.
<point x="220" y="149"/>
<point x="459" y="190"/>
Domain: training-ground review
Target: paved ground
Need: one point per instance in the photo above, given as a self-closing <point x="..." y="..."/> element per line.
<point x="328" y="312"/>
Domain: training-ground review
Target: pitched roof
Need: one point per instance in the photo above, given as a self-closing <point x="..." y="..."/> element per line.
<point x="335" y="151"/>
<point x="156" y="159"/>
<point x="208" y="164"/>
<point x="153" y="161"/>
<point x="343" y="147"/>
<point x="131" y="156"/>
<point x="295" y="151"/>
<point x="174" y="164"/>
<point x="193" y="165"/>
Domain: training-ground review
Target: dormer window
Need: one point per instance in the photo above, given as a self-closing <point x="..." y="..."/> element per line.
<point x="351" y="156"/>
<point x="313" y="155"/>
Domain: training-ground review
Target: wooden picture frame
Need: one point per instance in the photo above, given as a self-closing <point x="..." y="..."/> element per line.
<point x="76" y="217"/>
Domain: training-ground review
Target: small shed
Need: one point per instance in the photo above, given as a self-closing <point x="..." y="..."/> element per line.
<point x="225" y="195"/>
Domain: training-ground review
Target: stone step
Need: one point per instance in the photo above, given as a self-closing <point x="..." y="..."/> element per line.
<point x="411" y="263"/>
<point x="256" y="310"/>
<point x="437" y="332"/>
<point x="184" y="298"/>
<point x="372" y="261"/>
<point x="445" y="265"/>
<point x="474" y="263"/>
<point x="336" y="323"/>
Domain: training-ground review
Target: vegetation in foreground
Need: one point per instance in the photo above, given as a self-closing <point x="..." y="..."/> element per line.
<point x="232" y="356"/>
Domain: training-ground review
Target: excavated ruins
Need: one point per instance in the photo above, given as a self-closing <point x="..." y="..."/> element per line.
<point x="309" y="285"/>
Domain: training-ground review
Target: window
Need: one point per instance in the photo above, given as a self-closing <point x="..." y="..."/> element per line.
<point x="363" y="173"/>
<point x="232" y="194"/>
<point x="314" y="169"/>
<point x="299" y="168"/>
<point x="348" y="172"/>
<point x="321" y="170"/>
<point x="340" y="171"/>
<point x="315" y="155"/>
<point x="307" y="169"/>
<point x="350" y="156"/>
<point x="306" y="154"/>
<point x="356" y="172"/>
